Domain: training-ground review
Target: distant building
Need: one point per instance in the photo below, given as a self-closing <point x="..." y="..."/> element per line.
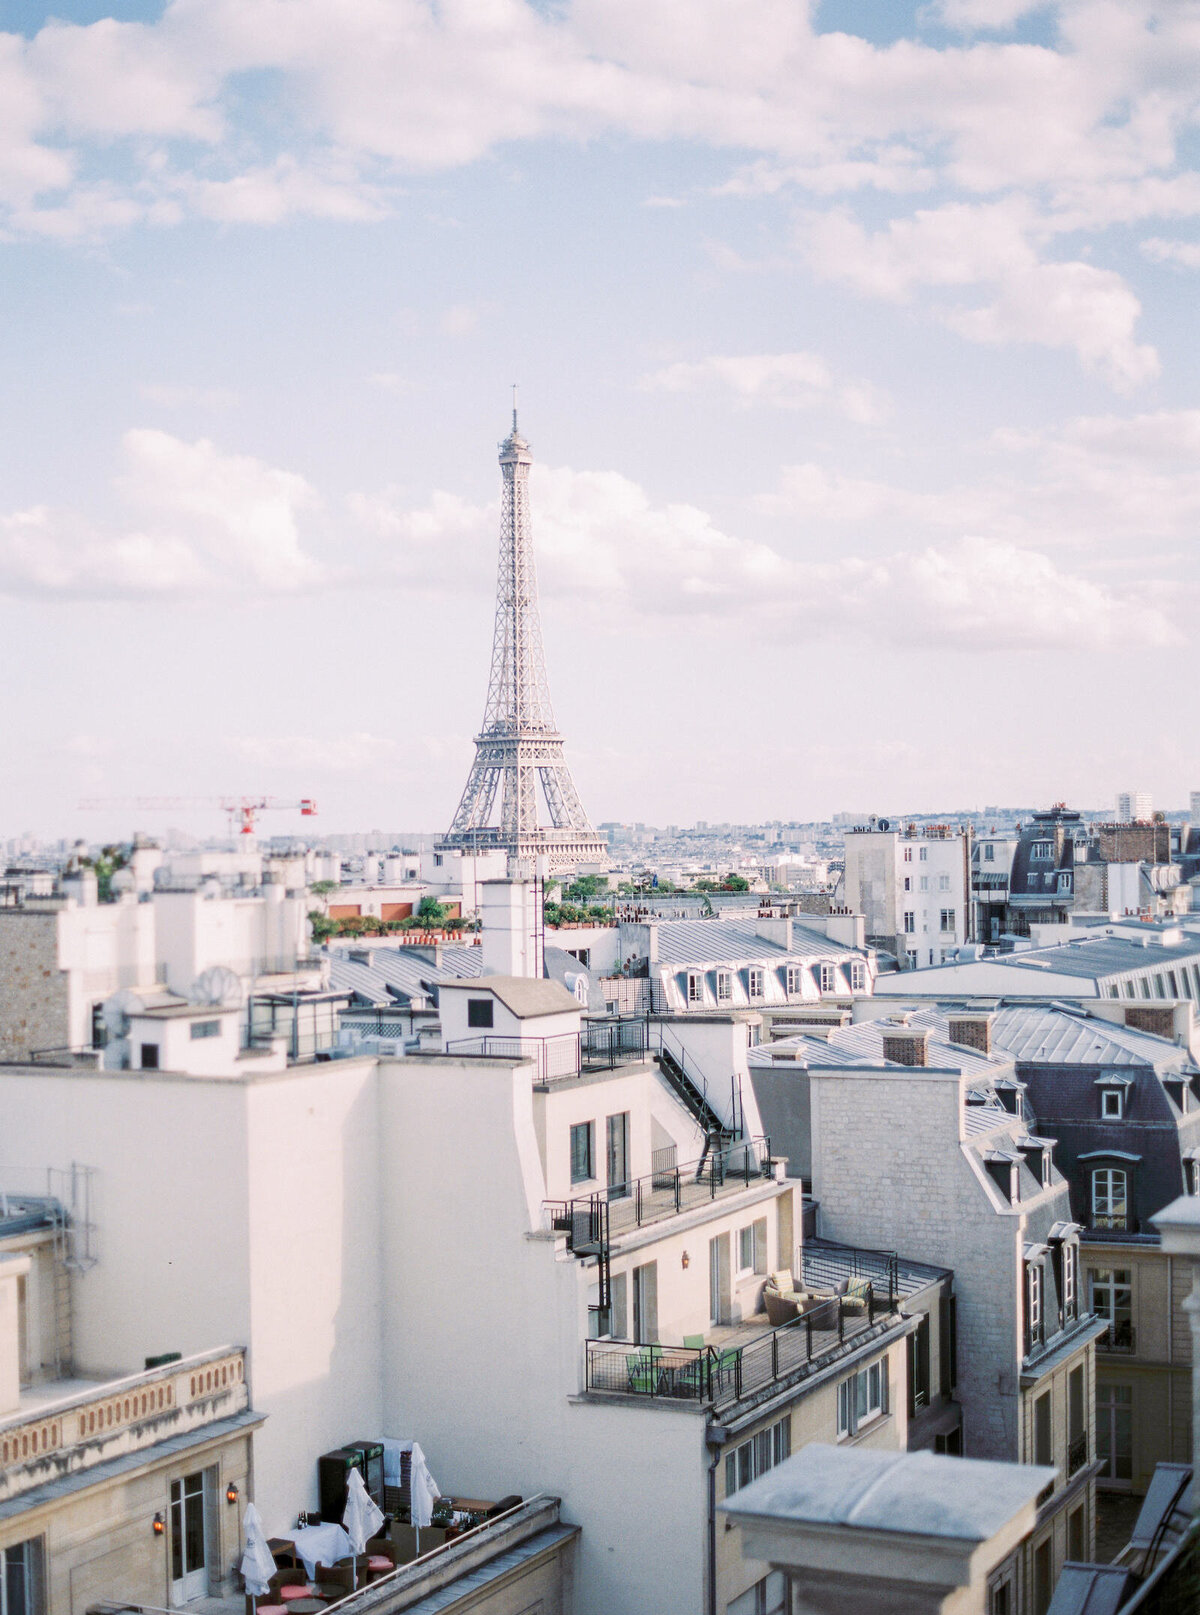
<point x="1134" y="807"/>
<point x="912" y="888"/>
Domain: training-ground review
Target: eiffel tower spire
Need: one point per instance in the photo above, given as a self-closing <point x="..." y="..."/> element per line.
<point x="519" y="745"/>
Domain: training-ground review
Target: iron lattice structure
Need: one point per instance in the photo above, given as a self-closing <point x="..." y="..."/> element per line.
<point x="519" y="744"/>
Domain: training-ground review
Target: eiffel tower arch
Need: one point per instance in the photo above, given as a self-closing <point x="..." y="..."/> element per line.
<point x="519" y="750"/>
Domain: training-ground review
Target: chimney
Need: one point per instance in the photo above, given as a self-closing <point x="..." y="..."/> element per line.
<point x="907" y="1047"/>
<point x="971" y="1032"/>
<point x="776" y="929"/>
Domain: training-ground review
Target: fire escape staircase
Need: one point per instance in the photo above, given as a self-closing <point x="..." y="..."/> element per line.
<point x="694" y="1098"/>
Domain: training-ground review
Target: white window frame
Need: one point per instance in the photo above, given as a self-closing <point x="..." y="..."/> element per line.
<point x="724" y="986"/>
<point x="1070" y="1268"/>
<point x="923" y="854"/>
<point x="908" y="855"/>
<point x="858" y="977"/>
<point x="1107" y="1196"/>
<point x="1042" y="850"/>
<point x="753" y="1458"/>
<point x="795" y="979"/>
<point x="1033" y="1292"/>
<point x="947" y="920"/>
<point x="943" y="883"/>
<point x="862" y="1398"/>
<point x="924" y="883"/>
<point x="989" y="853"/>
<point x="910" y="922"/>
<point x="908" y="883"/>
<point x="756" y="982"/>
<point x="752" y="1247"/>
<point x="828" y="978"/>
<point x="695" y="987"/>
<point x="910" y="958"/>
<point x="1112" y="1104"/>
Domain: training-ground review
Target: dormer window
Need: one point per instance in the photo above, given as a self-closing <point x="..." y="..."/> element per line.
<point x="1112" y="1103"/>
<point x="1033" y="1301"/>
<point x="858" y="978"/>
<point x="724" y="986"/>
<point x="989" y="853"/>
<point x="754" y="983"/>
<point x="695" y="987"/>
<point x="828" y="978"/>
<point x="1070" y="1277"/>
<point x="795" y="980"/>
<point x="1110" y="1197"/>
<point x="1042" y="849"/>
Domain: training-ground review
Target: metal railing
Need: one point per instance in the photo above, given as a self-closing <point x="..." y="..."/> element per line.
<point x="1077" y="1454"/>
<point x="1121" y="1337"/>
<point x="607" y="1044"/>
<point x="555" y="1057"/>
<point x="709" y="1374"/>
<point x="825" y="1265"/>
<point x="669" y="1189"/>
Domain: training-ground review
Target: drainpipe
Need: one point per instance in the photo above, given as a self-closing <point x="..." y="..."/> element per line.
<point x="715" y="1437"/>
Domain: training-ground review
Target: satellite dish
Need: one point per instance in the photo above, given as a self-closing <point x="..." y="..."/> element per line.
<point x="885" y="824"/>
<point x="217" y="986"/>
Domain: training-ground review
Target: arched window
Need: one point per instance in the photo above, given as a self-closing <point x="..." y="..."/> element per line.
<point x="1110" y="1197"/>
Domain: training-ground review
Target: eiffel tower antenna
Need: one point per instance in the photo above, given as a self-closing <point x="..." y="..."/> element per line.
<point x="519" y="746"/>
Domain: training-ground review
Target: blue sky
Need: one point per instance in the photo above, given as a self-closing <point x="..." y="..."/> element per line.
<point x="856" y="345"/>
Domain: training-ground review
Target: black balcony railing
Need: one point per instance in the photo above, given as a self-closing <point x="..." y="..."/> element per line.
<point x="1121" y="1337"/>
<point x="606" y="1044"/>
<point x="1077" y="1454"/>
<point x="825" y="1265"/>
<point x="708" y="1374"/>
<point x="670" y="1189"/>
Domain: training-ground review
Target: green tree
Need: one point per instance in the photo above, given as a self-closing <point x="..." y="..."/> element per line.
<point x="431" y="913"/>
<point x="735" y="883"/>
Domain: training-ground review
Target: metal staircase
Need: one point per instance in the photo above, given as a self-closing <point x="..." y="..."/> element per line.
<point x="693" y="1095"/>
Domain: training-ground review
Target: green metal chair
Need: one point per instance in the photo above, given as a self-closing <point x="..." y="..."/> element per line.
<point x="644" y="1370"/>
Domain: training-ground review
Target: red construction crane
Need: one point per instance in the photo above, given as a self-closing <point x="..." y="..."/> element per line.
<point x="242" y="810"/>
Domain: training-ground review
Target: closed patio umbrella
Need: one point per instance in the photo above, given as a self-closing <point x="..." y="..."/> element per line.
<point x="362" y="1518"/>
<point x="258" y="1564"/>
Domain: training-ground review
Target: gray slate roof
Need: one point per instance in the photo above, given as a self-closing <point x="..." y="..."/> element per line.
<point x="410" y="972"/>
<point x="1063" y="1036"/>
<point x="525" y="996"/>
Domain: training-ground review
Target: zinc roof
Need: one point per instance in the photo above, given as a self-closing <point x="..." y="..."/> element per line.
<point x="685" y="942"/>
<point x="1041" y="1032"/>
<point x="1097" y="956"/>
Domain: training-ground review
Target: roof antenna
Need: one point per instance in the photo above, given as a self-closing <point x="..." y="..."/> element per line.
<point x="514" y="409"/>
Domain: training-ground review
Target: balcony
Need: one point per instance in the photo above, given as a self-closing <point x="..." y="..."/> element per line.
<point x="735" y="1362"/>
<point x="1077" y="1454"/>
<point x="668" y="1191"/>
<point x="1120" y="1338"/>
<point x="55" y="1435"/>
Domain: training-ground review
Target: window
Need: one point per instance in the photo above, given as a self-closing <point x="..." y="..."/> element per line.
<point x="437" y="860"/>
<point x="1114" y="1431"/>
<point x="947" y="919"/>
<point x="1033" y="1301"/>
<point x="943" y="883"/>
<point x="862" y="1397"/>
<point x="724" y="986"/>
<point x="206" y="1029"/>
<point x="617" y="1155"/>
<point x="1064" y="883"/>
<point x="766" y="1597"/>
<point x="1000" y="1599"/>
<point x="695" y="987"/>
<point x="1043" y="1432"/>
<point x="858" y="978"/>
<point x="924" y="883"/>
<point x="1043" y="1576"/>
<point x="149" y="1060"/>
<point x="1077" y="1549"/>
<point x="1070" y="1265"/>
<point x="828" y="978"/>
<point x="754" y="1457"/>
<point x="795" y="979"/>
<point x="1110" y="1201"/>
<point x="99" y="1030"/>
<point x="1042" y="849"/>
<point x="480" y="1011"/>
<point x="908" y="855"/>
<point x="1112" y="1103"/>
<point x="583" y="1152"/>
<point x="1191" y="1176"/>
<point x="645" y="1303"/>
<point x="989" y="852"/>
<point x="948" y="1342"/>
<point x="21" y="1578"/>
<point x="619" y="1311"/>
<point x="910" y="921"/>
<point x="1076" y="1421"/>
<point x="754" y="980"/>
<point x="1112" y="1299"/>
<point x="752" y="1247"/>
<point x="918" y="1367"/>
<point x="910" y="958"/>
<point x="908" y="883"/>
<point x="923" y="853"/>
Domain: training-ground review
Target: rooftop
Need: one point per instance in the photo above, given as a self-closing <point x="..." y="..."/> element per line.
<point x="718" y="941"/>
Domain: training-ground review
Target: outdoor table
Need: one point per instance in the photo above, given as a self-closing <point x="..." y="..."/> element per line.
<point x="306" y="1606"/>
<point x="321" y="1544"/>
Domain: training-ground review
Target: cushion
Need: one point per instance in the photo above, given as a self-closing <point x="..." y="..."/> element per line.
<point x="378" y="1562"/>
<point x="858" y="1287"/>
<point x="272" y="1609"/>
<point x="782" y="1281"/>
<point x="291" y="1591"/>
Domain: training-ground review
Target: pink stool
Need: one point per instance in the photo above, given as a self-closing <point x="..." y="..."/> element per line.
<point x="288" y="1593"/>
<point x="378" y="1562"/>
<point x="272" y="1609"/>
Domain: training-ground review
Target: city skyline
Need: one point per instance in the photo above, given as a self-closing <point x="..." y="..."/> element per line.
<point x="859" y="364"/>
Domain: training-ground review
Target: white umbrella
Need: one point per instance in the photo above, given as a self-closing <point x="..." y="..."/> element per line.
<point x="258" y="1565"/>
<point x="362" y="1518"/>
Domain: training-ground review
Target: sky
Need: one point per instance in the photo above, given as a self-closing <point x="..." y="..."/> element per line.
<point x="857" y="350"/>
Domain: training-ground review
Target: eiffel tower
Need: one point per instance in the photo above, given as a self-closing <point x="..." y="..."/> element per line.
<point x="519" y="743"/>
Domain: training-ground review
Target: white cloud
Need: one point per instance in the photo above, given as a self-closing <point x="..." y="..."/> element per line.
<point x="201" y="520"/>
<point x="186" y="396"/>
<point x="787" y="380"/>
<point x="1159" y="251"/>
<point x="1072" y="305"/>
